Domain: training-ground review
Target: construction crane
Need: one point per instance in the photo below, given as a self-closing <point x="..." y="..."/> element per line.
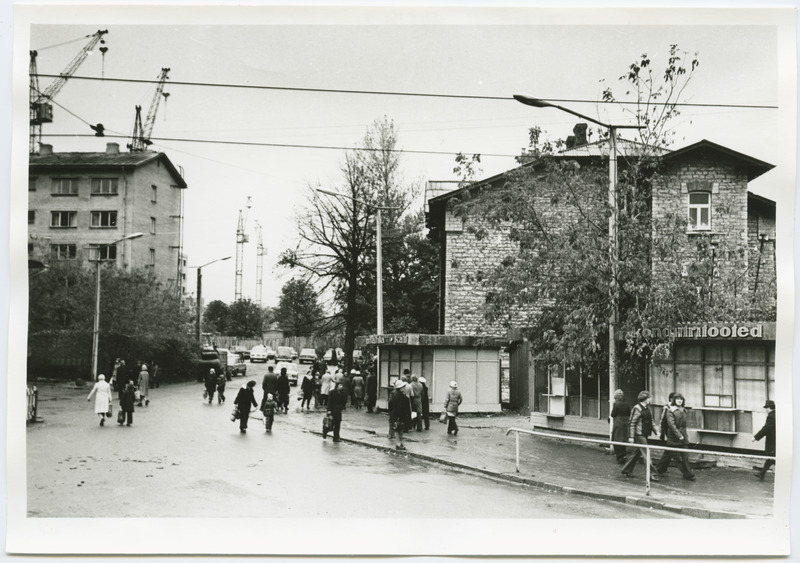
<point x="140" y="138"/>
<point x="241" y="239"/>
<point x="259" y="262"/>
<point x="41" y="111"/>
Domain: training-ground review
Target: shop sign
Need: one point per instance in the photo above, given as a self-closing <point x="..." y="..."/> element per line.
<point x="706" y="331"/>
<point x="411" y="339"/>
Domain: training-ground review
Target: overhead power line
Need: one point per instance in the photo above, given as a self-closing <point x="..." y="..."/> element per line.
<point x="395" y="93"/>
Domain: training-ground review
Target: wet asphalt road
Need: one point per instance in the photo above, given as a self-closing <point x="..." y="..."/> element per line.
<point x="185" y="458"/>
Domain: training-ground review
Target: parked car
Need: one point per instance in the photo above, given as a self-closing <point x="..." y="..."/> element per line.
<point x="283" y="354"/>
<point x="291" y="370"/>
<point x="258" y="354"/>
<point x="242" y="351"/>
<point x="307" y="356"/>
<point x="236" y="365"/>
<point x="270" y="354"/>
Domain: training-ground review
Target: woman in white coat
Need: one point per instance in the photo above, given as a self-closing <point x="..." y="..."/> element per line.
<point x="102" y="397"/>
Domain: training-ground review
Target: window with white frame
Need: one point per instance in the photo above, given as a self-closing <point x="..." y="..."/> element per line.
<point x="65" y="186"/>
<point x="152" y="225"/>
<point x="153" y="193"/>
<point x="103" y="252"/>
<point x="700" y="211"/>
<point x="62" y="219"/>
<point x="152" y="256"/>
<point x="104" y="186"/>
<point x="63" y="251"/>
<point x="104" y="219"/>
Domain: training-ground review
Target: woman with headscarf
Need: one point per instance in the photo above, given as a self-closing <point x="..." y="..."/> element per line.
<point x="358" y="389"/>
<point x="621" y="415"/>
<point x="144" y="386"/>
<point x="244" y="399"/>
<point x="102" y="397"/>
<point x="451" y="403"/>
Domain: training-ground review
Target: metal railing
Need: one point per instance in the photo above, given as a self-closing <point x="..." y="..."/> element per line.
<point x="646" y="447"/>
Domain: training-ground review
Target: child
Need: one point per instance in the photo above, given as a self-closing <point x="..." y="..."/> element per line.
<point x="269" y="411"/>
<point x="221" y="388"/>
<point x="126" y="403"/>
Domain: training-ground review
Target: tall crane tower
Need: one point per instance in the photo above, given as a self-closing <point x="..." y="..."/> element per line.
<point x="259" y="263"/>
<point x="140" y="138"/>
<point x="41" y="111"/>
<point x="241" y="239"/>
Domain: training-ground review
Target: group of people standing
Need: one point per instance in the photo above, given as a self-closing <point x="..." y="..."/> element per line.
<point x="130" y="393"/>
<point x="635" y="426"/>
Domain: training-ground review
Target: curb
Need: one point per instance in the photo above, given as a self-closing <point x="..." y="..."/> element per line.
<point x="643" y="502"/>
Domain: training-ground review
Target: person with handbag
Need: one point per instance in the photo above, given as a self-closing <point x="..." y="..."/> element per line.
<point x="451" y="403"/>
<point x="399" y="412"/>
<point x="244" y="399"/>
<point x="102" y="398"/>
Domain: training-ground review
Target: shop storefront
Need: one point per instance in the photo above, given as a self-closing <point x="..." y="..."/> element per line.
<point x="473" y="362"/>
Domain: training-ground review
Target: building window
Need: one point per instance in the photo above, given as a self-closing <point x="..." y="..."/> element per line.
<point x="152" y="225"/>
<point x="65" y="186"/>
<point x="106" y="219"/>
<point x="152" y="256"/>
<point x="153" y="193"/>
<point x="700" y="211"/>
<point x="104" y="186"/>
<point x="31" y="217"/>
<point x="103" y="252"/>
<point x="30" y="248"/>
<point x="32" y="184"/>
<point x="62" y="219"/>
<point x="63" y="251"/>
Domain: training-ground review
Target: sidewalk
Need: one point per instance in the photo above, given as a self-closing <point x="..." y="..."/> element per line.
<point x="558" y="465"/>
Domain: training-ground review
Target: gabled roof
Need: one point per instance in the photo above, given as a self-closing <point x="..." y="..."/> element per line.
<point x="764" y="204"/>
<point x="102" y="161"/>
<point x="755" y="167"/>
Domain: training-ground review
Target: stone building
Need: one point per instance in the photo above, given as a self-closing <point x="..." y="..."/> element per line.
<point x="81" y="201"/>
<point x="726" y="370"/>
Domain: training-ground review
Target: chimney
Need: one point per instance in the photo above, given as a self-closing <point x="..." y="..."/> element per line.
<point x="112" y="148"/>
<point x="580" y="133"/>
<point x="45" y="149"/>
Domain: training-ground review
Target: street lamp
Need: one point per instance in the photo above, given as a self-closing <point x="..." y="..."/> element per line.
<point x="96" y="332"/>
<point x="200" y="291"/>
<point x="613" y="232"/>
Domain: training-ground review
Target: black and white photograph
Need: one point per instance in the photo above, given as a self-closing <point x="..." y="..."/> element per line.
<point x="440" y="280"/>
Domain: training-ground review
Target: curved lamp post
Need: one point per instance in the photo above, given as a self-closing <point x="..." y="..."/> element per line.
<point x="200" y="292"/>
<point x="613" y="233"/>
<point x="96" y="332"/>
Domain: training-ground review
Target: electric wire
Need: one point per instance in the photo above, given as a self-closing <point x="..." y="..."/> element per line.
<point x="397" y="93"/>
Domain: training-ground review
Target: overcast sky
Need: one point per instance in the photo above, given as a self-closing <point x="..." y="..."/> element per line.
<point x="514" y="52"/>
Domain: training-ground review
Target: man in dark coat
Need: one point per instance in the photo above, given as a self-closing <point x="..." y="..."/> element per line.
<point x="416" y="402"/>
<point x="372" y="391"/>
<point x="211" y="384"/>
<point x="337" y="402"/>
<point x="767" y="431"/>
<point x="639" y="429"/>
<point x="244" y="399"/>
<point x="399" y="412"/>
<point x="126" y="403"/>
<point x="283" y="391"/>
<point x="426" y="404"/>
<point x="269" y="385"/>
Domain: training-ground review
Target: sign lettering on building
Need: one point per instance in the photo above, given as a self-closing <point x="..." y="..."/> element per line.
<point x="706" y="331"/>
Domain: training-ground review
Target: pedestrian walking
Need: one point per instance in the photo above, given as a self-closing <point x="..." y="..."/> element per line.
<point x="337" y="402"/>
<point x="268" y="409"/>
<point x="399" y="412"/>
<point x="119" y="378"/>
<point x="451" y="403"/>
<point x="372" y="391"/>
<point x="126" y="404"/>
<point x="358" y="389"/>
<point x="767" y="431"/>
<point x="326" y="384"/>
<point x="621" y="415"/>
<point x="307" y="389"/>
<point x="102" y="398"/>
<point x="662" y="423"/>
<point x="211" y="385"/>
<point x="640" y="428"/>
<point x="144" y="386"/>
<point x="269" y="385"/>
<point x="347" y="386"/>
<point x="221" y="388"/>
<point x="426" y="405"/>
<point x="244" y="399"/>
<point x="677" y="437"/>
<point x="317" y="389"/>
<point x="283" y="392"/>
<point x="416" y="403"/>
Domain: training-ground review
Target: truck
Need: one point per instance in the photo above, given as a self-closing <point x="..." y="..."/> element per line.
<point x="212" y="358"/>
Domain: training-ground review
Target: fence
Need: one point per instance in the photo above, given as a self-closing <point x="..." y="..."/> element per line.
<point x="33" y="403"/>
<point x="647" y="449"/>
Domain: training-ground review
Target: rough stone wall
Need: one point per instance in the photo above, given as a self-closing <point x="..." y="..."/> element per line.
<point x="761" y="224"/>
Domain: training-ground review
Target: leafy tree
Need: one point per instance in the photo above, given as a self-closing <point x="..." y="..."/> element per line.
<point x="216" y="317"/>
<point x="298" y="312"/>
<point x="245" y="319"/>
